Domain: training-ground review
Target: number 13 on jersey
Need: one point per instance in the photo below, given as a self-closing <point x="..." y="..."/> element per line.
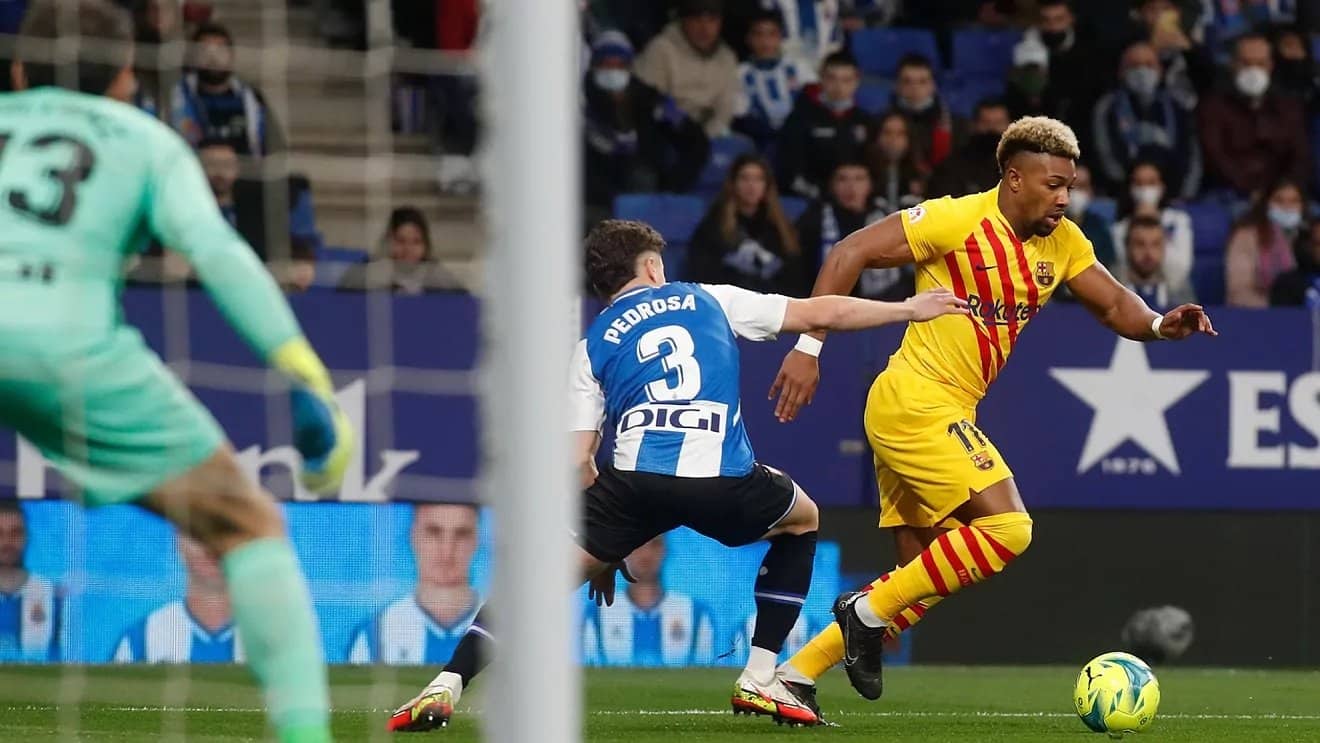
<point x="64" y="161"/>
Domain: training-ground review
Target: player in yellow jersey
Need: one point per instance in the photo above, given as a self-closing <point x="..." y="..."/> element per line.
<point x="945" y="490"/>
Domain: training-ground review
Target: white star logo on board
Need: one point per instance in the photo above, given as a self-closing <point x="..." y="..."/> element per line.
<point x="1129" y="399"/>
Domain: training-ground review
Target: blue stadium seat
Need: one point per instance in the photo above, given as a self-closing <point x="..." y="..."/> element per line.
<point x="1211" y="225"/>
<point x="342" y="255"/>
<point x="676" y="258"/>
<point x="302" y="221"/>
<point x="878" y="50"/>
<point x="1315" y="46"/>
<point x="962" y="94"/>
<point x="674" y="216"/>
<point x="1208" y="278"/>
<point x="982" y="54"/>
<point x="874" y="95"/>
<point x="1105" y="207"/>
<point x="723" y="151"/>
<point x="332" y="263"/>
<point x="793" y="206"/>
<point x="11" y="15"/>
<point x="1315" y="140"/>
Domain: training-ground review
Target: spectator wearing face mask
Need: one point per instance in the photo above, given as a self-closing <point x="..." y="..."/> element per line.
<point x="1143" y="269"/>
<point x="1070" y="85"/>
<point x="1024" y="90"/>
<point x="212" y="103"/>
<point x="1253" y="135"/>
<point x="1145" y="195"/>
<point x="771" y="80"/>
<point x="690" y="63"/>
<point x="846" y="208"/>
<point x="973" y="168"/>
<point x="1189" y="66"/>
<point x="1097" y="227"/>
<point x="1140" y="120"/>
<point x="1301" y="286"/>
<point x="825" y="128"/>
<point x="898" y="179"/>
<point x="1261" y="246"/>
<point x="635" y="138"/>
<point x="934" y="128"/>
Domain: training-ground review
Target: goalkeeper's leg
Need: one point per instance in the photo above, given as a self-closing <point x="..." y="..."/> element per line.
<point x="219" y="506"/>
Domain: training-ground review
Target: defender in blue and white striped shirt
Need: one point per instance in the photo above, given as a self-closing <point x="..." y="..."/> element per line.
<point x="199" y="628"/>
<point x="427" y="624"/>
<point x="771" y="80"/>
<point x="647" y="626"/>
<point x="31" y="609"/>
<point x="660" y="364"/>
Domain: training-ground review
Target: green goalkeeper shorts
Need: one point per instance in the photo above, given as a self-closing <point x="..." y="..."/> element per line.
<point x="104" y="410"/>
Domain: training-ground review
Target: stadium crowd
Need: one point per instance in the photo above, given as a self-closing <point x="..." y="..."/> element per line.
<point x="756" y="133"/>
<point x="765" y="130"/>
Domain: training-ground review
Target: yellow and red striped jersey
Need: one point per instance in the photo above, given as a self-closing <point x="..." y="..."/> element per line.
<point x="967" y="245"/>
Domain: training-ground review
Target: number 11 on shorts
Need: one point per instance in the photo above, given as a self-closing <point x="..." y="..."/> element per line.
<point x="980" y="457"/>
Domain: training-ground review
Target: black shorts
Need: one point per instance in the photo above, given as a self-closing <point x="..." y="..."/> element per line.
<point x="625" y="510"/>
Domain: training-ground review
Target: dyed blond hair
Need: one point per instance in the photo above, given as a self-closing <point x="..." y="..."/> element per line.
<point x="1037" y="134"/>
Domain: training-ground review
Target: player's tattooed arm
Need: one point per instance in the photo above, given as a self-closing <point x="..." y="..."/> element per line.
<point x="1125" y="313"/>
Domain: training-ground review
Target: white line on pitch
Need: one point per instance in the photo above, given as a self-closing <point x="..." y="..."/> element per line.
<point x="916" y="713"/>
<point x="710" y="713"/>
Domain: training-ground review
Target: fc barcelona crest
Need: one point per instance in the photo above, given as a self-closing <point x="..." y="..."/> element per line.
<point x="1044" y="272"/>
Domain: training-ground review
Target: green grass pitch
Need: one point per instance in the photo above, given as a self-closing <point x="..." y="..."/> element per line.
<point x="218" y="704"/>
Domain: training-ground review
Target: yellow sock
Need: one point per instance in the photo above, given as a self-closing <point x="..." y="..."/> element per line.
<point x="910" y="615"/>
<point x="956" y="559"/>
<point x="987" y="544"/>
<point x="821" y="654"/>
<point x="825" y="650"/>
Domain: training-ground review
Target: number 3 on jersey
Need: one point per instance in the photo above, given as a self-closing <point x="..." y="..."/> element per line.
<point x="674" y="343"/>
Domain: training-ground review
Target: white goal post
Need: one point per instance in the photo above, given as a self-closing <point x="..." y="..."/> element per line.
<point x="530" y="82"/>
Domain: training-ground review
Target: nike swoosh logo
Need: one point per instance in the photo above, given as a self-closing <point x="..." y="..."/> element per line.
<point x="983" y="268"/>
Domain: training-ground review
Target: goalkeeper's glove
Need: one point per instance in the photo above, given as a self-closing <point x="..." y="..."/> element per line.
<point x="321" y="431"/>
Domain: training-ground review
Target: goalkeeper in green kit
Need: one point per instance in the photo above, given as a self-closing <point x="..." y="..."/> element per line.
<point x="83" y="179"/>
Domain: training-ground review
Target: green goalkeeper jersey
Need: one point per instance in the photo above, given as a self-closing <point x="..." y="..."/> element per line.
<point x="85" y="181"/>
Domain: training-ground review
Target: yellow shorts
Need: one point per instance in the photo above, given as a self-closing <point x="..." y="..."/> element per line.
<point x="929" y="454"/>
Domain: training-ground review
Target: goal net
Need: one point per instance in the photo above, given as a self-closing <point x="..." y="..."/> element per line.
<point x="430" y="262"/>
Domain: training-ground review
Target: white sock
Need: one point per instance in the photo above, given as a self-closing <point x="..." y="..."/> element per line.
<point x="761" y="665"/>
<point x="864" y="612"/>
<point x="451" y="681"/>
<point x="788" y="672"/>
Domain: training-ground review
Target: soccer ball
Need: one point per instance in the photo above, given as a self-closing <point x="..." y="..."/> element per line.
<point x="1117" y="693"/>
<point x="1159" y="634"/>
